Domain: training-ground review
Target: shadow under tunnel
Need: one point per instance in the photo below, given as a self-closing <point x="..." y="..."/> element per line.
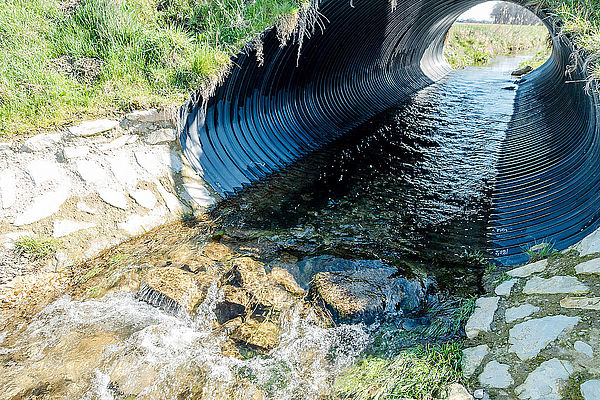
<point x="268" y="113"/>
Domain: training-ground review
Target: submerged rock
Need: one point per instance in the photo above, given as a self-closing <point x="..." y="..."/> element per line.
<point x="174" y="289"/>
<point x="363" y="295"/>
<point x="522" y="71"/>
<point x="259" y="335"/>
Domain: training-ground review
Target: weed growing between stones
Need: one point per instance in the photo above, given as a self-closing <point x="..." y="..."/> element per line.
<point x="37" y="248"/>
<point x="541" y="250"/>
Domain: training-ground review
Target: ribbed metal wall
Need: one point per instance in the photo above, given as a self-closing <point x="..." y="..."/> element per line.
<point x="369" y="57"/>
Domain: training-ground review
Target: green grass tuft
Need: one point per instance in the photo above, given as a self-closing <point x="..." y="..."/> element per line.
<point x="541" y="250"/>
<point x="36" y="248"/>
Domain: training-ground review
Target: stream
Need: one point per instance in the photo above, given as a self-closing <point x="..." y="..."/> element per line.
<point x="410" y="188"/>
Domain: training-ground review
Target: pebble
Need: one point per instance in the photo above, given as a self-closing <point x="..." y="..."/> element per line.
<point x="496" y="375"/>
<point x="64" y="227"/>
<point x="554" y="285"/>
<point x="528" y="338"/>
<point x="90" y="128"/>
<point x="526" y="270"/>
<point x="144" y="198"/>
<point x="505" y="288"/>
<point x="515" y="313"/>
<point x="584" y="303"/>
<point x="482" y="317"/>
<point x="543" y="382"/>
<point x="8" y="188"/>
<point x="584" y="348"/>
<point x="589" y="267"/>
<point x="472" y="358"/>
<point x="456" y="391"/>
<point x="590" y="390"/>
<point x="114" y="198"/>
<point x="478" y="394"/>
<point x="42" y="206"/>
<point x="41" y="142"/>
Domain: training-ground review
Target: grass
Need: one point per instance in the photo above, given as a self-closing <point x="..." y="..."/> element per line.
<point x="417" y="373"/>
<point x="541" y="250"/>
<point x="36" y="248"/>
<point x="478" y="44"/>
<point x="580" y="21"/>
<point x="58" y="65"/>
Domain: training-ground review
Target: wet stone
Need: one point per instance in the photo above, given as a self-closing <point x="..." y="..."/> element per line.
<point x="528" y="338"/>
<point x="544" y="382"/>
<point x="584" y="348"/>
<point x="584" y="303"/>
<point x="482" y="317"/>
<point x="472" y="358"/>
<point x="589" y="267"/>
<point x="515" y="313"/>
<point x="505" y="288"/>
<point x="172" y="289"/>
<point x="262" y="336"/>
<point x="590" y="390"/>
<point x="554" y="285"/>
<point x="363" y="295"/>
<point x="496" y="375"/>
<point x="198" y="194"/>
<point x="526" y="270"/>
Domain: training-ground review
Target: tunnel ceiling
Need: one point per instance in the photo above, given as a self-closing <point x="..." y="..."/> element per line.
<point x="268" y="112"/>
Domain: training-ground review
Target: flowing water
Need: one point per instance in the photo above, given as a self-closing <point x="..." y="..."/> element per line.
<point x="411" y="187"/>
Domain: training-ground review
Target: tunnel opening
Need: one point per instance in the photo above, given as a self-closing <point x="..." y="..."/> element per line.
<point x="368" y="57"/>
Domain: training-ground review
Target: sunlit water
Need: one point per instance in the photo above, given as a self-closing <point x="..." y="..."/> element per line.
<point x="409" y="187"/>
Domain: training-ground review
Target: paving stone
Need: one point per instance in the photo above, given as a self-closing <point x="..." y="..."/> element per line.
<point x="496" y="375"/>
<point x="41" y="142"/>
<point x="544" y="382"/>
<point x="73" y="152"/>
<point x="515" y="313"/>
<point x="589" y="267"/>
<point x="175" y="161"/>
<point x="90" y="128"/>
<point x="91" y="172"/>
<point x="584" y="303"/>
<point x="42" y="206"/>
<point x="63" y="227"/>
<point x="42" y="171"/>
<point x="482" y="317"/>
<point x="472" y="358"/>
<point x="526" y="270"/>
<point x="151" y="115"/>
<point x="456" y="391"/>
<point x="144" y="198"/>
<point x="124" y="171"/>
<point x="82" y="206"/>
<point x="199" y="194"/>
<point x="150" y="162"/>
<point x="5" y="146"/>
<point x="172" y="202"/>
<point x="528" y="338"/>
<point x="114" y="198"/>
<point x="117" y="143"/>
<point x="8" y="188"/>
<point x="161" y="136"/>
<point x="584" y="348"/>
<point x="137" y="224"/>
<point x="505" y="288"/>
<point x="554" y="285"/>
<point x="590" y="390"/>
<point x="590" y="244"/>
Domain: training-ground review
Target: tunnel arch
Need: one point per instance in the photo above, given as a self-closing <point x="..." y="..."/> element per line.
<point x="268" y="113"/>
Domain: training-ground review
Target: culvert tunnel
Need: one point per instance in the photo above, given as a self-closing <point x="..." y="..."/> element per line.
<point x="362" y="57"/>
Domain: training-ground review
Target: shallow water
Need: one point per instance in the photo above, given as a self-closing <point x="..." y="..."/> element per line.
<point x="412" y="186"/>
